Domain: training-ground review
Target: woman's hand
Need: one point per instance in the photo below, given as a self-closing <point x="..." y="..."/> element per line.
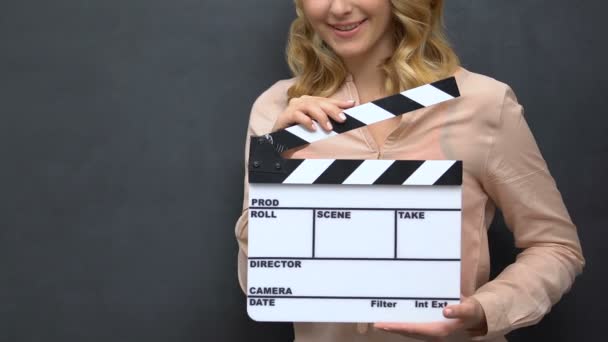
<point x="468" y="315"/>
<point x="303" y="110"/>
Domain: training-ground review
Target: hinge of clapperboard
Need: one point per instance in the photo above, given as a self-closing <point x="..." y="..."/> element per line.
<point x="266" y="165"/>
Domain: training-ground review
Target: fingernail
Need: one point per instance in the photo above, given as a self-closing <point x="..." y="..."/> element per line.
<point x="329" y="127"/>
<point x="314" y="126"/>
<point x="342" y="116"/>
<point x="351" y="101"/>
<point x="448" y="312"/>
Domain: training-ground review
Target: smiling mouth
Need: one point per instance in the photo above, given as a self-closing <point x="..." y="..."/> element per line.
<point x="349" y="27"/>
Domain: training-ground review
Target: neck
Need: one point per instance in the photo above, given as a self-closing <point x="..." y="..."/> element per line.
<point x="366" y="72"/>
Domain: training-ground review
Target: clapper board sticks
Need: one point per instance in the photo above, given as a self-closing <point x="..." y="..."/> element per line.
<point x="353" y="240"/>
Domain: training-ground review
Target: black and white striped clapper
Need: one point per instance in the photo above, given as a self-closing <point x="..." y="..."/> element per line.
<point x="336" y="240"/>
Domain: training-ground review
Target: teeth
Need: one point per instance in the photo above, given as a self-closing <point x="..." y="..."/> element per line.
<point x="347" y="28"/>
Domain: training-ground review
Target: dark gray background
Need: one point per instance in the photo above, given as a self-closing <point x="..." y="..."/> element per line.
<point x="122" y="129"/>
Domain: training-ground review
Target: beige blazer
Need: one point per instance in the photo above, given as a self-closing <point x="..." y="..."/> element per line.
<point x="503" y="168"/>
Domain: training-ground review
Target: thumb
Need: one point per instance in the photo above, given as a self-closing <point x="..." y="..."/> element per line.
<point x="464" y="310"/>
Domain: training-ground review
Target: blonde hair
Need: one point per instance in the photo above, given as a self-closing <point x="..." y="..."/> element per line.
<point x="422" y="53"/>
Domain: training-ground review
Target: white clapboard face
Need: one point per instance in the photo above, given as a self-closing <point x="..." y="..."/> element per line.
<point x="353" y="240"/>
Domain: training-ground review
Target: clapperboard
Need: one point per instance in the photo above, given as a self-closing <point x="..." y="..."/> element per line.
<point x="353" y="240"/>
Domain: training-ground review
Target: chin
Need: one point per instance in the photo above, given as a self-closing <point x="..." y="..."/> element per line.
<point x="348" y="52"/>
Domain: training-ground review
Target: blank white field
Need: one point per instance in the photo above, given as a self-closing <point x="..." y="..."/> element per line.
<point x="437" y="236"/>
<point x="287" y="235"/>
<point x="368" y="234"/>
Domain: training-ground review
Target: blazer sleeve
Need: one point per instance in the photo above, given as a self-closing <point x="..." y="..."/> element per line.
<point x="263" y="115"/>
<point x="517" y="179"/>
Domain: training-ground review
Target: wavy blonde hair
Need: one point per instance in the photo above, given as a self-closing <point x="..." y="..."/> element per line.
<point x="422" y="53"/>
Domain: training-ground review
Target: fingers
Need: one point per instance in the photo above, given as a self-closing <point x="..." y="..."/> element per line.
<point x="321" y="110"/>
<point x="427" y="331"/>
<point x="464" y="315"/>
<point x="410" y="335"/>
<point x="411" y="328"/>
<point x="344" y="104"/>
<point x="416" y="336"/>
<point x="334" y="112"/>
<point x="468" y="309"/>
<point x="463" y="311"/>
<point x="304" y="120"/>
<point x="307" y="110"/>
<point x="470" y="313"/>
<point x="317" y="113"/>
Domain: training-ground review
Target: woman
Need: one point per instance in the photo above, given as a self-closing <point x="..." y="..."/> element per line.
<point x="349" y="52"/>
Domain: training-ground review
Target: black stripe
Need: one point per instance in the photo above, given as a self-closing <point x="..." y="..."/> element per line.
<point x="358" y="209"/>
<point x="399" y="172"/>
<point x="314" y="231"/>
<point x="453" y="176"/>
<point x="398" y="104"/>
<point x="448" y="85"/>
<point x="338" y="171"/>
<point x="352" y="297"/>
<point x="287" y="167"/>
<point x="284" y="140"/>
<point x="354" y="259"/>
<point x="396" y="234"/>
<point x="348" y="125"/>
